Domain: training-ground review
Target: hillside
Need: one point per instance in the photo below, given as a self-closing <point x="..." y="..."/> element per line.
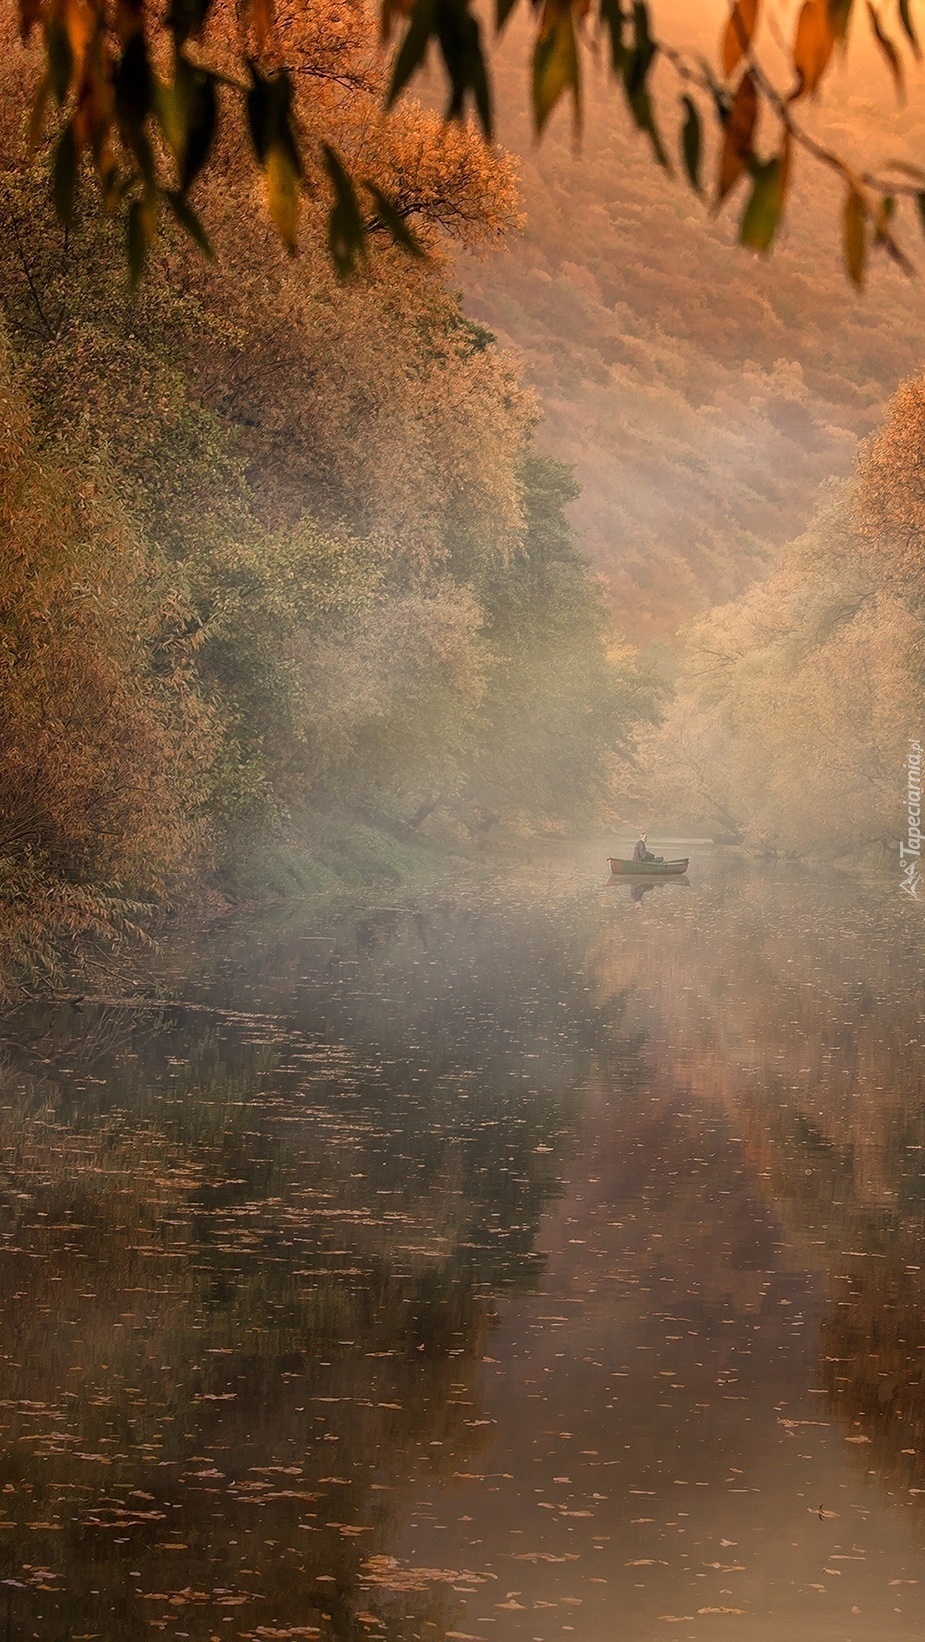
<point x="702" y="394"/>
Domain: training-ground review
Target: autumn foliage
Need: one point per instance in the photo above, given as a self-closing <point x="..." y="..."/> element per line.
<point x="329" y="574"/>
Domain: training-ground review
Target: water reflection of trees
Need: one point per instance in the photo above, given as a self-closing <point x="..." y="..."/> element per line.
<point x="249" y="1272"/>
<point x="795" y="1005"/>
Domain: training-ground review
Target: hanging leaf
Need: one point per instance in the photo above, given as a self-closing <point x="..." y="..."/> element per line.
<point x="739" y="31"/>
<point x="59" y="56"/>
<point x="840" y="18"/>
<point x="412" y="52"/>
<point x="854" y="228"/>
<point x="691" y="142"/>
<point x="635" y="81"/>
<point x="555" y="61"/>
<point x="813" y="45"/>
<point x="346" y="229"/>
<point x="614" y="19"/>
<point x="30" y="12"/>
<point x="270" y="119"/>
<point x="187" y="113"/>
<point x="736" y="153"/>
<point x="391" y="218"/>
<point x="64" y="175"/>
<point x="888" y="49"/>
<point x="460" y="39"/>
<point x="186" y="19"/>
<point x="190" y="222"/>
<point x="761" y="218"/>
<point x="284" y="194"/>
<point x="905" y="17"/>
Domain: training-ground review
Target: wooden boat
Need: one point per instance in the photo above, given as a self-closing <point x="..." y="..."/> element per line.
<point x="647" y="869"/>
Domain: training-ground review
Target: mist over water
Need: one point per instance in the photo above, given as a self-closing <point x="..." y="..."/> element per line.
<point x="520" y="1262"/>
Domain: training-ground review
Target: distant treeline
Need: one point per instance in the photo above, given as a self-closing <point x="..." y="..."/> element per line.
<point x="275" y="546"/>
<point x="796" y="706"/>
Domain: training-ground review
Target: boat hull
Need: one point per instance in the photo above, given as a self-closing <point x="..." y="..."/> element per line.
<point x="646" y="869"/>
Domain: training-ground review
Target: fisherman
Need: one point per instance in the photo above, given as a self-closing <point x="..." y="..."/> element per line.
<point x="642" y="852"/>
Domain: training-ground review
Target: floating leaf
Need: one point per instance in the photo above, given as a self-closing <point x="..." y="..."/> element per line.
<point x="854" y="227"/>
<point x="555" y="61"/>
<point x="736" y="155"/>
<point x="691" y="142"/>
<point x="888" y="49"/>
<point x="738" y="34"/>
<point x="813" y="45"/>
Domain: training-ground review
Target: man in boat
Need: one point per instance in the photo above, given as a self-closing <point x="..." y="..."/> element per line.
<point x="642" y="852"/>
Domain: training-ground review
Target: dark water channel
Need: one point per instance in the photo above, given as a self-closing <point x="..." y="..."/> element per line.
<point x="529" y="1262"/>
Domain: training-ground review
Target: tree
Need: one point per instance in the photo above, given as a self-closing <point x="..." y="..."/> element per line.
<point x="148" y="100"/>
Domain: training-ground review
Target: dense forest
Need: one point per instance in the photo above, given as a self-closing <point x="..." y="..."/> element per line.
<point x="279" y="551"/>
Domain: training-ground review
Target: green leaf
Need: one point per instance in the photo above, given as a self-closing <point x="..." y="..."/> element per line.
<point x="190" y="222"/>
<point x="555" y="62"/>
<point x="392" y="219"/>
<point x="64" y="175"/>
<point x="346" y="229"/>
<point x="762" y="213"/>
<point x="691" y="142"/>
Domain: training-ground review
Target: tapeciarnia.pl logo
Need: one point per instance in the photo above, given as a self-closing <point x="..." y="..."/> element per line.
<point x="911" y="850"/>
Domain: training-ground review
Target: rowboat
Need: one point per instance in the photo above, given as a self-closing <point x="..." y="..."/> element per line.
<point x="646" y="869"/>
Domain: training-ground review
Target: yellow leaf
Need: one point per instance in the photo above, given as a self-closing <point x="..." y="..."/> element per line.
<point x="738" y="34"/>
<point x="555" y="60"/>
<point x="283" y="197"/>
<point x="813" y="45"/>
<point x="737" y="138"/>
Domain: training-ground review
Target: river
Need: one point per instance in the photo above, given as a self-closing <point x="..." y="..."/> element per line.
<point x="525" y="1261"/>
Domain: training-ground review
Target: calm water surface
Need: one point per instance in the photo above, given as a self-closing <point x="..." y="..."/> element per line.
<point x="531" y="1262"/>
